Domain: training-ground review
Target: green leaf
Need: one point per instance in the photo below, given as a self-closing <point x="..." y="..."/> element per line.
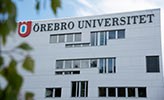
<point x="54" y="5"/>
<point x="29" y="96"/>
<point x="37" y="7"/>
<point x="1" y="61"/>
<point x="13" y="79"/>
<point x="28" y="64"/>
<point x="25" y="46"/>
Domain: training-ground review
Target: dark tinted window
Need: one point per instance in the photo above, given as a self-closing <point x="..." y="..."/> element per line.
<point x="121" y="92"/>
<point x="102" y="92"/>
<point x="112" y="34"/>
<point x="152" y="63"/>
<point x="142" y="92"/>
<point x="111" y="92"/>
<point x="57" y="92"/>
<point x="131" y="92"/>
<point x="121" y="34"/>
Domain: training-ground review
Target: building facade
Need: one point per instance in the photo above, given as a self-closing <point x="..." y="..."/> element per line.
<point x="106" y="57"/>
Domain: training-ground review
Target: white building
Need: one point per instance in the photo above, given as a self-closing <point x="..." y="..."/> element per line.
<point x="106" y="57"/>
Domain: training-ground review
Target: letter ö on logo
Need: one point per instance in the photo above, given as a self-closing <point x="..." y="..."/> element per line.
<point x="24" y="28"/>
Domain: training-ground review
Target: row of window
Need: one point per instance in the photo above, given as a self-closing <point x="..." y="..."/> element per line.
<point x="122" y="92"/>
<point x="100" y="37"/>
<point x="53" y="92"/>
<point x="80" y="89"/>
<point x="61" y="38"/>
<point x="77" y="45"/>
<point x="105" y="65"/>
<point x="67" y="72"/>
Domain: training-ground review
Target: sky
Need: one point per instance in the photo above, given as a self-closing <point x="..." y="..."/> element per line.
<point x="71" y="8"/>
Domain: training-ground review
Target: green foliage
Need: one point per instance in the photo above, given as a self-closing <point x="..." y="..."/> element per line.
<point x="1" y="61"/>
<point x="8" y="21"/>
<point x="25" y="46"/>
<point x="28" y="64"/>
<point x="8" y="14"/>
<point x="54" y="5"/>
<point x="14" y="81"/>
<point x="29" y="96"/>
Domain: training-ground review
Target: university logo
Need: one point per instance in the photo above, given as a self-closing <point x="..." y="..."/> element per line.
<point x="24" y="28"/>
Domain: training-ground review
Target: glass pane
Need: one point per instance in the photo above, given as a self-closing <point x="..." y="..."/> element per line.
<point x="102" y="67"/>
<point x="61" y="38"/>
<point x="102" y="92"/>
<point x="121" y="34"/>
<point x="84" y="63"/>
<point x="93" y="63"/>
<point x="76" y="72"/>
<point x="76" y="64"/>
<point x="70" y="38"/>
<point x="58" y="73"/>
<point x="77" y="45"/>
<point x="69" y="45"/>
<point x="53" y="38"/>
<point x="121" y="92"/>
<point x="73" y="89"/>
<point x="77" y="37"/>
<point x="112" y="34"/>
<point x="111" y="65"/>
<point x="131" y="92"/>
<point x="152" y="63"/>
<point x="82" y="92"/>
<point x="94" y="39"/>
<point x="103" y="39"/>
<point x="142" y="92"/>
<point x="49" y="92"/>
<point x="67" y="72"/>
<point x="111" y="92"/>
<point x="57" y="92"/>
<point x="68" y="64"/>
<point x="59" y="64"/>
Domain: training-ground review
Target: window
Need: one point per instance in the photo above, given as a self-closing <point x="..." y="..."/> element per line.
<point x="102" y="66"/>
<point x="58" y="73"/>
<point x="53" y="92"/>
<point x="142" y="92"/>
<point x="102" y="92"/>
<point x="131" y="92"/>
<point x="94" y="39"/>
<point x="107" y="65"/>
<point x="57" y="92"/>
<point x="112" y="92"/>
<point x="152" y="63"/>
<point x="69" y="45"/>
<point x="121" y="34"/>
<point x="69" y="37"/>
<point x="61" y="38"/>
<point x="103" y="38"/>
<point x="53" y="38"/>
<point x="76" y="63"/>
<point x="112" y="34"/>
<point x="121" y="92"/>
<point x="59" y="64"/>
<point x="79" y="89"/>
<point x="68" y="63"/>
<point x="111" y="65"/>
<point x="78" y="37"/>
<point x="93" y="63"/>
<point x="84" y="63"/>
<point x="49" y="92"/>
